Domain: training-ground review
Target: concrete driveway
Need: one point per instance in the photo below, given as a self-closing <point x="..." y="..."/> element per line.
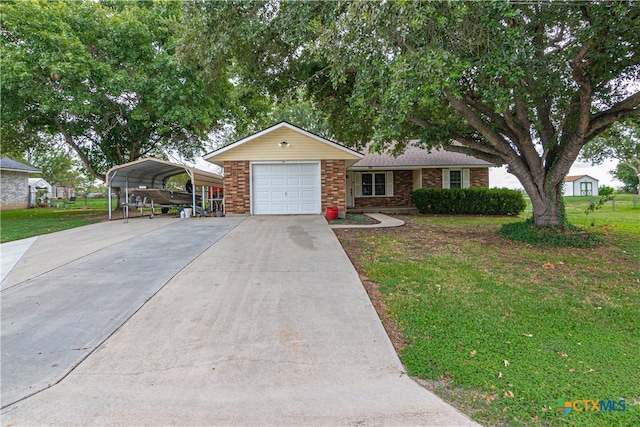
<point x="210" y="321"/>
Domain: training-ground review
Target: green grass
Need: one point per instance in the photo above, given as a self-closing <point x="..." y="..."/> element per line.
<point x="618" y="217"/>
<point x="504" y="329"/>
<point x="23" y="223"/>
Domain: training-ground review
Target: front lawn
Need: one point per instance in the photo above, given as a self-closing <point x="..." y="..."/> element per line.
<point x="23" y="223"/>
<point x="505" y="331"/>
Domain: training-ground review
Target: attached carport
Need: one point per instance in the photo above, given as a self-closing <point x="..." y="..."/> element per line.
<point x="154" y="173"/>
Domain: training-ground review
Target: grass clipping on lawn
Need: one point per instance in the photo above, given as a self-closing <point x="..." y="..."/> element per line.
<point x="501" y="329"/>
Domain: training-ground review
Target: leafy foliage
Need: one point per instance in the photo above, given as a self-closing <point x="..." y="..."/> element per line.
<point x="621" y="142"/>
<point x="628" y="177"/>
<point x="468" y="201"/>
<point x="605" y="190"/>
<point x="103" y="76"/>
<point x="528" y="232"/>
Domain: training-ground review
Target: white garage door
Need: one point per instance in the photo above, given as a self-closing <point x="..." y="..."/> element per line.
<point x="285" y="188"/>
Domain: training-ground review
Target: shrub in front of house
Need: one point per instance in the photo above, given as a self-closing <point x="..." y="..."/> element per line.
<point x="468" y="201"/>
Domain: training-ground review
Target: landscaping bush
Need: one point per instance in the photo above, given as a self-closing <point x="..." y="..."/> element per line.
<point x="605" y="190"/>
<point x="468" y="201"/>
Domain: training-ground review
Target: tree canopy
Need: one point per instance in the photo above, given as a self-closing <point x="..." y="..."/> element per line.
<point x="620" y="142"/>
<point x="104" y="77"/>
<point x="525" y="84"/>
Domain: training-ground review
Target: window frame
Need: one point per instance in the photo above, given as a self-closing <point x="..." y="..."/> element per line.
<point x="386" y="185"/>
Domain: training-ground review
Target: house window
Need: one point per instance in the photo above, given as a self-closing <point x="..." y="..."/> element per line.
<point x="373" y="184"/>
<point x="455" y="179"/>
<point x="586" y="189"/>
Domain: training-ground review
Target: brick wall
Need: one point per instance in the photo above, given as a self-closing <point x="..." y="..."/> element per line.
<point x="14" y="190"/>
<point x="431" y="178"/>
<point x="402" y="188"/>
<point x="237" y="197"/>
<point x="479" y="177"/>
<point x="333" y="184"/>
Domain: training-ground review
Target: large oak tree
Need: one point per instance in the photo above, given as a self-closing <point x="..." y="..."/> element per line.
<point x="523" y="84"/>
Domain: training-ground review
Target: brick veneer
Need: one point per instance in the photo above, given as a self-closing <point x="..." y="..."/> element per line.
<point x="479" y="177"/>
<point x="237" y="199"/>
<point x="432" y="178"/>
<point x="402" y="188"/>
<point x="333" y="184"/>
<point x="15" y="190"/>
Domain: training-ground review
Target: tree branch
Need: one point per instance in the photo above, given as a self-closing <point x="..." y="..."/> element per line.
<point x="477" y="123"/>
<point x="492" y="115"/>
<point x="628" y="107"/>
<point x="466" y="149"/>
<point x="85" y="159"/>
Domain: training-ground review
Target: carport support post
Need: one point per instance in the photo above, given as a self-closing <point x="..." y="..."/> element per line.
<point x="193" y="193"/>
<point x="109" y="181"/>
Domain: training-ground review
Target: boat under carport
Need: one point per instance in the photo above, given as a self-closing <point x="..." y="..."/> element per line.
<point x="153" y="173"/>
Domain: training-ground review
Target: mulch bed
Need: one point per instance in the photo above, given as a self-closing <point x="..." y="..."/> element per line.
<point x="354" y="219"/>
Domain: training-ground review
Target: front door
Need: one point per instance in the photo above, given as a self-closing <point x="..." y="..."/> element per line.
<point x="351" y="202"/>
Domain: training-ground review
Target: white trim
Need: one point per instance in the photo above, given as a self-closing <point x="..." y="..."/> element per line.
<point x="466" y="178"/>
<point x="445" y="178"/>
<point x="389" y="184"/>
<point x="276" y="127"/>
<point x="280" y="162"/>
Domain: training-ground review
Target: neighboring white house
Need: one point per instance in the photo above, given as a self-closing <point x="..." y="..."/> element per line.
<point x="39" y="191"/>
<point x="580" y="185"/>
<point x="14" y="184"/>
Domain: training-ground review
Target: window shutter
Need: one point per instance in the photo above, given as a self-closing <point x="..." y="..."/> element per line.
<point x="358" y="184"/>
<point x="389" y="184"/>
<point x="445" y="178"/>
<point x="466" y="180"/>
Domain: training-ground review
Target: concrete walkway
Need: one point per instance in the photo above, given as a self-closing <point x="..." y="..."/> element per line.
<point x="385" y="221"/>
<point x="267" y="325"/>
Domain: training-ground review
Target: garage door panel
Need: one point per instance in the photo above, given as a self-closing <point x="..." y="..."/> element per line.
<point x="294" y="181"/>
<point x="277" y="182"/>
<point x="286" y="189"/>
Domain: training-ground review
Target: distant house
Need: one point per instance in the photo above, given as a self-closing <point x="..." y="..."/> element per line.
<point x="14" y="184"/>
<point x="580" y="185"/>
<point x="39" y="191"/>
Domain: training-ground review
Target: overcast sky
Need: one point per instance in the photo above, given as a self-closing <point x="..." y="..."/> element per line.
<point x="499" y="177"/>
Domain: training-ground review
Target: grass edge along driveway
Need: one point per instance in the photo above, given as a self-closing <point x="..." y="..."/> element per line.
<point x="505" y="331"/>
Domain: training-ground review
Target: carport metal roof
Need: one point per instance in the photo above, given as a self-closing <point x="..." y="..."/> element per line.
<point x="153" y="173"/>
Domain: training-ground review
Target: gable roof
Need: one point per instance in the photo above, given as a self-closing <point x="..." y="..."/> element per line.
<point x="414" y="157"/>
<point x="154" y="172"/>
<point x="274" y="128"/>
<point x="573" y="178"/>
<point x="9" y="164"/>
<point x="39" y="183"/>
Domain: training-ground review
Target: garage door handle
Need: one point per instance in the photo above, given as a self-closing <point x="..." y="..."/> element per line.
<point x="285" y="194"/>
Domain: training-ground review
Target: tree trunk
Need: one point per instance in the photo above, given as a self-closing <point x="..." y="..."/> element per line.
<point x="548" y="206"/>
